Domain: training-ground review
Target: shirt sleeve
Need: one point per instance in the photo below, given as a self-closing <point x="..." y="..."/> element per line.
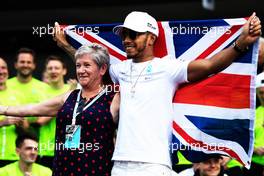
<point x="178" y="70"/>
<point x="113" y="71"/>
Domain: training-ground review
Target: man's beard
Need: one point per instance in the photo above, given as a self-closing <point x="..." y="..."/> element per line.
<point x="25" y="75"/>
<point x="139" y="52"/>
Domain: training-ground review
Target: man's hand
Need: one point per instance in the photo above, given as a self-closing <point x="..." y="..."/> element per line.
<point x="259" y="151"/>
<point x="12" y="121"/>
<point x="59" y="36"/>
<point x="225" y="160"/>
<point x="251" y="32"/>
<point x="72" y="83"/>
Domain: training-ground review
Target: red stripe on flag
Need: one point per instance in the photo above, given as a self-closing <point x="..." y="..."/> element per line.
<point x="222" y="90"/>
<point x="219" y="41"/>
<point x="199" y="144"/>
<point x="111" y="51"/>
<point x="160" y="48"/>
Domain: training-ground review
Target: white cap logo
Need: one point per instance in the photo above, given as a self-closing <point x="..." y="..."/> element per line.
<point x="139" y="22"/>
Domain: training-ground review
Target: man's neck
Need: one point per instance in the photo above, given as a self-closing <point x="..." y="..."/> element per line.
<point x="3" y="86"/>
<point x="24" y="79"/>
<point x="147" y="56"/>
<point x="25" y="167"/>
<point x="57" y="85"/>
<point x="145" y="59"/>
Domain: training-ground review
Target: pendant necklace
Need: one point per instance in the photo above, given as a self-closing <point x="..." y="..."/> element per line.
<point x="133" y="85"/>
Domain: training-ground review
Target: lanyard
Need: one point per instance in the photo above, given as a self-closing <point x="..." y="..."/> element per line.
<point x="75" y="114"/>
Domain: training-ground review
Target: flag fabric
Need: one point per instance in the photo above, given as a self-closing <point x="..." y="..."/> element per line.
<point x="213" y="116"/>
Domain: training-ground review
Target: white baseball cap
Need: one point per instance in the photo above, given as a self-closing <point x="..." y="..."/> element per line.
<point x="139" y="22"/>
<point x="260" y="80"/>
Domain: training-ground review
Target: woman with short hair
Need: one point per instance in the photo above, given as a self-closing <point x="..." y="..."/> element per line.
<point x="85" y="126"/>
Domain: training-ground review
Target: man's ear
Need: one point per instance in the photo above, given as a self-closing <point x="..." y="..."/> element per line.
<point x="15" y="65"/>
<point x="17" y="151"/>
<point x="152" y="39"/>
<point x="34" y="65"/>
<point x="64" y="71"/>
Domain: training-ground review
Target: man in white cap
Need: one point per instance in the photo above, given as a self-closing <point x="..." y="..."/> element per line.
<point x="147" y="85"/>
<point x="257" y="165"/>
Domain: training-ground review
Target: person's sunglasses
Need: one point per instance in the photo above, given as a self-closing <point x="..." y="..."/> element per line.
<point x="131" y="34"/>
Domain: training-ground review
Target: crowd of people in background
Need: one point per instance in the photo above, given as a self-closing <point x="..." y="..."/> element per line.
<point x="25" y="89"/>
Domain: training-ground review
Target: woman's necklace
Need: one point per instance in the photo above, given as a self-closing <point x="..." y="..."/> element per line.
<point x="133" y="85"/>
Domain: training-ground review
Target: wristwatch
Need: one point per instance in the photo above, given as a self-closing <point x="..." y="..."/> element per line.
<point x="239" y="49"/>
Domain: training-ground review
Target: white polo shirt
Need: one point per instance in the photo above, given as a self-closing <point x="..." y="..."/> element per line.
<point x="146" y="111"/>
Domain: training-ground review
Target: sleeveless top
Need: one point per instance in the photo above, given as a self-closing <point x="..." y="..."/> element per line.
<point x="93" y="157"/>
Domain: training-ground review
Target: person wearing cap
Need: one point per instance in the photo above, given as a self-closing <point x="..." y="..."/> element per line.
<point x="210" y="167"/>
<point x="147" y="85"/>
<point x="257" y="165"/>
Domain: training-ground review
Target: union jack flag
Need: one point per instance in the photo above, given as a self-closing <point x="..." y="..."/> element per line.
<point x="215" y="115"/>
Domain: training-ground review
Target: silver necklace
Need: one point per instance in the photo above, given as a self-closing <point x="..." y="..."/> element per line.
<point x="133" y="85"/>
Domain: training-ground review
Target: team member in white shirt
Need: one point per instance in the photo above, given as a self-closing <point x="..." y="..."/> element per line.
<point x="147" y="85"/>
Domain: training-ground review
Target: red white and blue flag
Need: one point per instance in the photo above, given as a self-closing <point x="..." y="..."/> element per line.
<point x="212" y="116"/>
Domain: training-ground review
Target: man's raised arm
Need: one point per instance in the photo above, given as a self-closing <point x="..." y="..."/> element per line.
<point x="60" y="38"/>
<point x="200" y="69"/>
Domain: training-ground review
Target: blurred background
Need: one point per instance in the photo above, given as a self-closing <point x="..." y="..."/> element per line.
<point x="18" y="20"/>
